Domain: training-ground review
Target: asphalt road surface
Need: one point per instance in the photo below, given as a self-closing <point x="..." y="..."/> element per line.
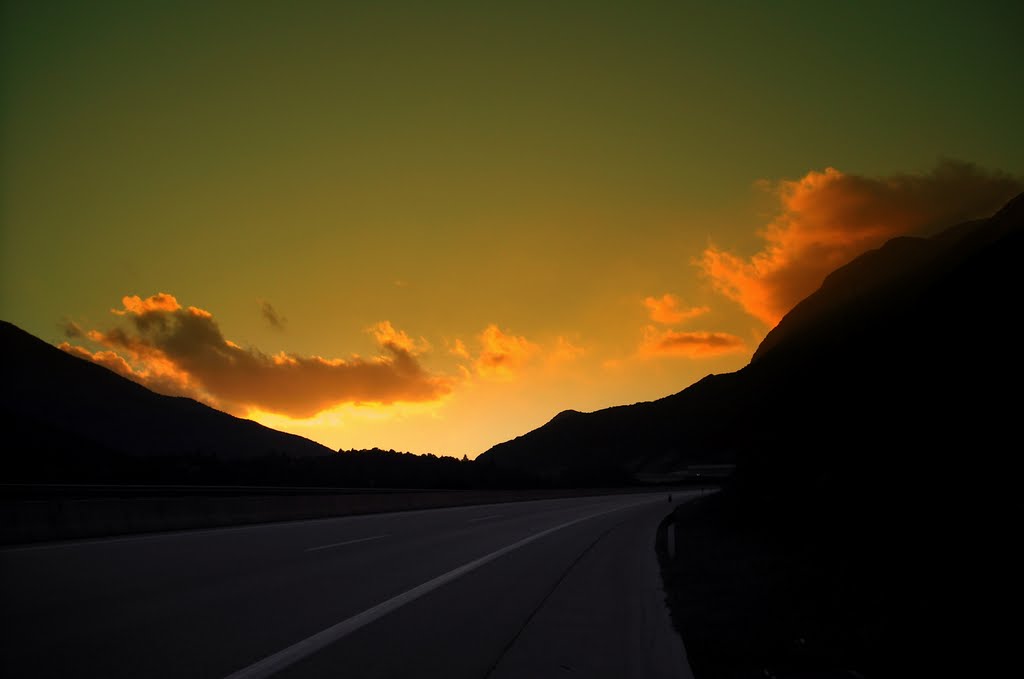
<point x="552" y="588"/>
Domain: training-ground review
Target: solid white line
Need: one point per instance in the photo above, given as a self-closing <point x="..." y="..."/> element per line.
<point x="347" y="542"/>
<point x="484" y="518"/>
<point x="310" y="645"/>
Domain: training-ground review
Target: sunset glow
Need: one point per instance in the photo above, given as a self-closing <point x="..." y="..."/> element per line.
<point x="432" y="228"/>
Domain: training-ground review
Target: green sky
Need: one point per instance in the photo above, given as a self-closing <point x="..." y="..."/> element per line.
<point x="543" y="167"/>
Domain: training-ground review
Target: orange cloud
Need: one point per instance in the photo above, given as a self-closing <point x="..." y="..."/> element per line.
<point x="829" y="218"/>
<point x="503" y="355"/>
<point x="157" y="374"/>
<point x="459" y="349"/>
<point x="387" y="336"/>
<point x="666" y="310"/>
<point x="662" y="342"/>
<point x="181" y="351"/>
<point x="133" y="304"/>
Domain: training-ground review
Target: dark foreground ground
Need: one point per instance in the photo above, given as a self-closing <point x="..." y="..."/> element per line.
<point x="748" y="605"/>
<point x="759" y="591"/>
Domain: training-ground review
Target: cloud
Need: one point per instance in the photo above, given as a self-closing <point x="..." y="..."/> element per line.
<point x="828" y="218"/>
<point x="134" y="304"/>
<point x="665" y="342"/>
<point x="666" y="310"/>
<point x="270" y="315"/>
<point x="159" y="375"/>
<point x="389" y="338"/>
<point x="660" y="342"/>
<point x="502" y="355"/>
<point x="72" y="330"/>
<point x="564" y="351"/>
<point x="182" y="351"/>
<point x="458" y="348"/>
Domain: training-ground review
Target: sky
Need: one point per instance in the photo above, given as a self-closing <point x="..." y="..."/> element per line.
<point x="431" y="227"/>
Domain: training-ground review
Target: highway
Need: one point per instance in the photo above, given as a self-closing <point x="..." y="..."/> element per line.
<point x="550" y="588"/>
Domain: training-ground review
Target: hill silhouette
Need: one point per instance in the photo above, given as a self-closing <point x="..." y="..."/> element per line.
<point x="868" y="526"/>
<point x="67" y="420"/>
<point x="910" y="330"/>
<point x="72" y="412"/>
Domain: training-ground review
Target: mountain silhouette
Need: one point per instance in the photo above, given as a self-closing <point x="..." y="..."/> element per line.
<point x="904" y="342"/>
<point x="870" y="524"/>
<point x="64" y="408"/>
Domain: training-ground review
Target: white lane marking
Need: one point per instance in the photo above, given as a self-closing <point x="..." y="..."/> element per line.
<point x="310" y="645"/>
<point x="274" y="525"/>
<point x="347" y="542"/>
<point x="484" y="518"/>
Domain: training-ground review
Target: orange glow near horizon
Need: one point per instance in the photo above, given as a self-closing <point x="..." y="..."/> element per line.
<point x="496" y="383"/>
<point x="473" y="219"/>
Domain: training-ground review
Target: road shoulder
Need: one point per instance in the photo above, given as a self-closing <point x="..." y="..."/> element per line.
<point x="607" y="616"/>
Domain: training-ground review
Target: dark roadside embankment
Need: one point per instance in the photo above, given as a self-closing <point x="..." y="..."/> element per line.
<point x="749" y="605"/>
<point x="800" y="590"/>
<point x="34" y="513"/>
<point x="870" y="528"/>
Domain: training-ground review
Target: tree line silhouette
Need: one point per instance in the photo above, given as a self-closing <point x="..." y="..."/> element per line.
<point x="366" y="468"/>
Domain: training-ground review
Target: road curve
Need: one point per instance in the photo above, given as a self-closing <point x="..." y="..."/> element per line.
<point x="526" y="589"/>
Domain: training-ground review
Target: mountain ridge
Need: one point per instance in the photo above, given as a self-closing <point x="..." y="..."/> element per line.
<point x="719" y="416"/>
<point x="56" y="401"/>
<point x="871" y="520"/>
